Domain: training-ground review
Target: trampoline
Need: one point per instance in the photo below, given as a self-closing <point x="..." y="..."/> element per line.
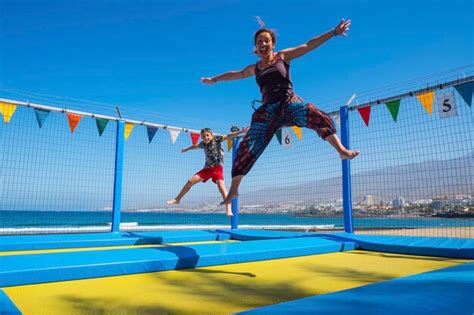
<point x="228" y="271"/>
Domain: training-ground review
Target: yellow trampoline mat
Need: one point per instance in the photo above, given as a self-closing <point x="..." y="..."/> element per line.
<point x="221" y="289"/>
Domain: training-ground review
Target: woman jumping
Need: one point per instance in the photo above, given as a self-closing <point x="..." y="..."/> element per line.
<point x="281" y="107"/>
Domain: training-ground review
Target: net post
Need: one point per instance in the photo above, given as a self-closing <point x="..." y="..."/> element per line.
<point x="346" y="172"/>
<point x="118" y="172"/>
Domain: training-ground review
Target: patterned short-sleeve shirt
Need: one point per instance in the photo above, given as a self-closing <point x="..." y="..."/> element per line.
<point x="213" y="151"/>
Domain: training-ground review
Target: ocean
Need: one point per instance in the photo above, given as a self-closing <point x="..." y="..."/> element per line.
<point x="16" y="222"/>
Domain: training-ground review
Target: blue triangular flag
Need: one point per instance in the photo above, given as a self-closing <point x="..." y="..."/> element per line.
<point x="41" y="115"/>
<point x="465" y="90"/>
<point x="151" y="132"/>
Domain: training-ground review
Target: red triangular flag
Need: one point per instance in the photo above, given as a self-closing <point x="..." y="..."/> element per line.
<point x="195" y="138"/>
<point x="365" y="114"/>
<point x="73" y="120"/>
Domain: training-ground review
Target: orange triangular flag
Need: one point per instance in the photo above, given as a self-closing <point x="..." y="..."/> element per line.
<point x="73" y="120"/>
<point x="297" y="131"/>
<point x="427" y="100"/>
<point x="194" y="137"/>
<point x="7" y="110"/>
<point x="365" y="114"/>
<point x="230" y="143"/>
<point x="128" y="129"/>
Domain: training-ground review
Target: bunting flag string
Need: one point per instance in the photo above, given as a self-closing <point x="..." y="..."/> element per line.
<point x="365" y="114"/>
<point x="101" y="124"/>
<point x="174" y="135"/>
<point x="445" y="101"/>
<point x="151" y="131"/>
<point x="41" y="115"/>
<point x="73" y="120"/>
<point x="128" y="129"/>
<point x="194" y="137"/>
<point x="426" y="99"/>
<point x="230" y="143"/>
<point x="278" y="134"/>
<point x="393" y="108"/>
<point x="465" y="90"/>
<point x="7" y="110"/>
<point x="298" y="132"/>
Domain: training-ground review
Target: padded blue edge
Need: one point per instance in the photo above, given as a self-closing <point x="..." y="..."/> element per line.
<point x="57" y="241"/>
<point x="251" y="235"/>
<point x="439" y="292"/>
<point x="7" y="307"/>
<point x="411" y="245"/>
<point x="49" y="267"/>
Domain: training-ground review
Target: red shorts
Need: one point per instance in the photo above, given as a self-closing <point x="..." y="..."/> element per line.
<point x="215" y="172"/>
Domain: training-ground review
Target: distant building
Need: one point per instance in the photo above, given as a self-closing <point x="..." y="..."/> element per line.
<point x="370" y="200"/>
<point x="439" y="204"/>
<point x="398" y="202"/>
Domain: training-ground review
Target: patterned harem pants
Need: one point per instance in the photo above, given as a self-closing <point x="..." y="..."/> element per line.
<point x="268" y="118"/>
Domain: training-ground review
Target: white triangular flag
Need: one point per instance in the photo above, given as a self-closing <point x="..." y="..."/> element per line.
<point x="337" y="120"/>
<point x="174" y="135"/>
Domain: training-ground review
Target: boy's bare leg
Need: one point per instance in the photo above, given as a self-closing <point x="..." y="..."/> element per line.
<point x="193" y="180"/>
<point x="234" y="189"/>
<point x="223" y="191"/>
<point x="344" y="153"/>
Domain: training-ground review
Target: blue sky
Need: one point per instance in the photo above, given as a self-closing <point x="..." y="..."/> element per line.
<point x="148" y="56"/>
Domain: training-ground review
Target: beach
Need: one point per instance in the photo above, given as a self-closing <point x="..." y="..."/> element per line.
<point x="459" y="232"/>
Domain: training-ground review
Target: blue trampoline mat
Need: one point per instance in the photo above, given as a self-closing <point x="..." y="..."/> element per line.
<point x="48" y="267"/>
<point x="440" y="292"/>
<point x="410" y="245"/>
<point x="56" y="241"/>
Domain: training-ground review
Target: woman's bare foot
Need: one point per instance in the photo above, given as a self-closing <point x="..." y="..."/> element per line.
<point x="173" y="202"/>
<point x="348" y="155"/>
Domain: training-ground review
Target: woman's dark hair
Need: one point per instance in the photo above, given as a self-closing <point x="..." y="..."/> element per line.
<point x="263" y="30"/>
<point x="203" y="130"/>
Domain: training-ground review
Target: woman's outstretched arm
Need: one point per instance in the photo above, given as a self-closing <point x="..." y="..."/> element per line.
<point x="231" y="75"/>
<point x="295" y="52"/>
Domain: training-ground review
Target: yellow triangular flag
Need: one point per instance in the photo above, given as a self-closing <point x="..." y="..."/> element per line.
<point x="128" y="130"/>
<point x="7" y="110"/>
<point x="427" y="100"/>
<point x="230" y="143"/>
<point x="297" y="131"/>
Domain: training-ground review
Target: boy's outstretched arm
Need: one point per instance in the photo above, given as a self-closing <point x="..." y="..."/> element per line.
<point x="193" y="147"/>
<point x="235" y="134"/>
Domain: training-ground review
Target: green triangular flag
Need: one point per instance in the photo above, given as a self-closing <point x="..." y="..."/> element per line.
<point x="393" y="107"/>
<point x="278" y="135"/>
<point x="101" y="124"/>
<point x="41" y="115"/>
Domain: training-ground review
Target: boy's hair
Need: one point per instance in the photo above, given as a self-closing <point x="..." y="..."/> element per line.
<point x="203" y="130"/>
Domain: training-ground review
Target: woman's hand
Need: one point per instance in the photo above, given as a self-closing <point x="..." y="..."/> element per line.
<point x="342" y="27"/>
<point x="209" y="81"/>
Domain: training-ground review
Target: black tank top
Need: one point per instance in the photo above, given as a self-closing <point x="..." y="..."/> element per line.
<point x="274" y="81"/>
